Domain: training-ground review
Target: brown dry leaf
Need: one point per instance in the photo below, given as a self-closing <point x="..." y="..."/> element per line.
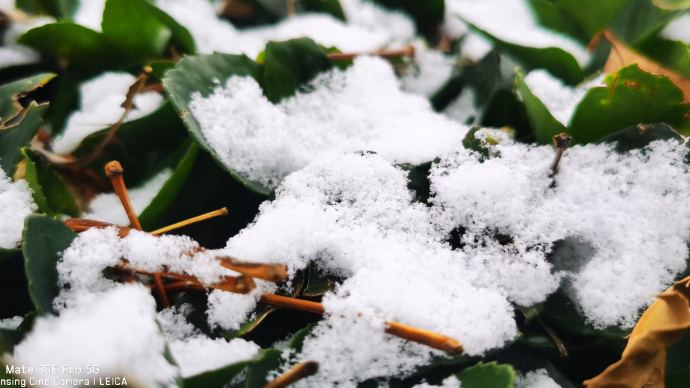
<point x="621" y="55"/>
<point x="644" y="358"/>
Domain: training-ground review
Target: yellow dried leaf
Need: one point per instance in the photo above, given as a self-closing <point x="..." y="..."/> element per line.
<point x="644" y="358"/>
<point x="621" y="55"/>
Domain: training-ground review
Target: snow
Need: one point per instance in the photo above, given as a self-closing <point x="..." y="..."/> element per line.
<point x="106" y="207"/>
<point x="536" y="379"/>
<point x="81" y="266"/>
<point x="449" y="382"/>
<point x="11" y="323"/>
<point x="354" y="216"/>
<point x="344" y="110"/>
<point x="475" y="47"/>
<point x="15" y="204"/>
<point x="511" y="21"/>
<point x="229" y="311"/>
<point x="561" y="100"/>
<point x="678" y="29"/>
<point x="12" y="54"/>
<point x="118" y="333"/>
<point x="462" y="109"/>
<point x="101" y="107"/>
<point x="196" y="353"/>
<point x="90" y="14"/>
<point x="628" y="210"/>
<point x="429" y="71"/>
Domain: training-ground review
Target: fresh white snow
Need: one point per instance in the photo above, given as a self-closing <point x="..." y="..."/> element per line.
<point x="536" y="379"/>
<point x="15" y="204"/>
<point x="678" y="29"/>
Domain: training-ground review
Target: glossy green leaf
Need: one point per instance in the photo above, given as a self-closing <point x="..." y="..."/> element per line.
<point x="291" y="64"/>
<point x="13" y="139"/>
<point x="428" y="15"/>
<point x="44" y="238"/>
<point x="216" y="378"/>
<point x="487" y="375"/>
<point x="637" y="137"/>
<point x="165" y="197"/>
<point x="203" y="74"/>
<point x="556" y="60"/>
<point x="267" y="361"/>
<point x="78" y="45"/>
<point x="544" y="125"/>
<point x="49" y="191"/>
<point x="671" y="54"/>
<point x="10" y="93"/>
<point x="297" y="340"/>
<point x="631" y="97"/>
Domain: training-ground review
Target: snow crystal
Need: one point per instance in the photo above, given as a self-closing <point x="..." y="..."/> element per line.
<point x="536" y="379"/>
<point x="430" y="70"/>
<point x="15" y="204"/>
<point x="449" y="382"/>
<point x="344" y="110"/>
<point x="354" y="216"/>
<point x="101" y="107"/>
<point x="81" y="266"/>
<point x="678" y="29"/>
<point x="11" y="323"/>
<point x="512" y="21"/>
<point x="118" y="333"/>
<point x="201" y="354"/>
<point x="561" y="100"/>
<point x="108" y="208"/>
<point x="360" y="34"/>
<point x="629" y="210"/>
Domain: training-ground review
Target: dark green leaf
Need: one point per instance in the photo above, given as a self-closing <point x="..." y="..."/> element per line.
<point x="418" y="180"/>
<point x="632" y="97"/>
<point x="159" y="68"/>
<point x="325" y="6"/>
<point x="49" y="191"/>
<point x="677" y="373"/>
<point x="44" y="239"/>
<point x="76" y="44"/>
<point x="487" y="375"/>
<point x="10" y="93"/>
<point x="13" y="139"/>
<point x="216" y="378"/>
<point x="531" y="312"/>
<point x="297" y="340"/>
<point x="428" y="15"/>
<point x="544" y="125"/>
<point x="165" y="197"/>
<point x="581" y="18"/>
<point x="640" y="19"/>
<point x="8" y="253"/>
<point x="317" y="283"/>
<point x="291" y="64"/>
<point x="671" y="54"/>
<point x="267" y="361"/>
<point x="640" y="136"/>
<point x="202" y="74"/>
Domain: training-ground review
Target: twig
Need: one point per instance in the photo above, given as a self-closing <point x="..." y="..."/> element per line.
<point x="559" y="343"/>
<point x="561" y="142"/>
<point x="114" y="171"/>
<point x="409" y="50"/>
<point x="203" y="217"/>
<point x="298" y="372"/>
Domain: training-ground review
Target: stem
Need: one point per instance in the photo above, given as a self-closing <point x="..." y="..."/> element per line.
<point x="298" y="372"/>
<point x="203" y="217"/>
<point x="271" y="272"/>
<point x="409" y="50"/>
<point x="291" y="303"/>
<point x="114" y="171"/>
<point x="561" y="142"/>
<point x="158" y="282"/>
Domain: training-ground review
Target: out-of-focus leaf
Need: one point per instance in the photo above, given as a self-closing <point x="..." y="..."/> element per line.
<point x="8" y="253"/>
<point x="49" y="191"/>
<point x="556" y="60"/>
<point x="544" y="125"/>
<point x="297" y="340"/>
<point x="582" y="19"/>
<point x="640" y="136"/>
<point x="203" y="74"/>
<point x="44" y="239"/>
<point x="487" y="375"/>
<point x="216" y="378"/>
<point x="331" y="7"/>
<point x="643" y="360"/>
<point x="267" y="361"/>
<point x="428" y="15"/>
<point x="672" y="4"/>
<point x="640" y="19"/>
<point x="159" y="68"/>
<point x="165" y="197"/>
<point x="671" y="54"/>
<point x="631" y="97"/>
<point x="10" y="93"/>
<point x="13" y="139"/>
<point x="291" y="64"/>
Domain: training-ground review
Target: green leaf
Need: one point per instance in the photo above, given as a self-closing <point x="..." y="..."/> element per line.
<point x="216" y="378"/>
<point x="640" y="19"/>
<point x="487" y="375"/>
<point x="165" y="197"/>
<point x="78" y="45"/>
<point x="13" y="139"/>
<point x="331" y="7"/>
<point x="159" y="68"/>
<point x="428" y="15"/>
<point x="6" y="254"/>
<point x="418" y="180"/>
<point x="267" y="361"/>
<point x="291" y="64"/>
<point x="579" y="18"/>
<point x="297" y="340"/>
<point x="672" y="4"/>
<point x="557" y="61"/>
<point x="531" y="312"/>
<point x="203" y="74"/>
<point x="59" y="9"/>
<point x="677" y="373"/>
<point x="44" y="239"/>
<point x="317" y="283"/>
<point x="49" y="191"/>
<point x="637" y="137"/>
<point x="544" y="125"/>
<point x="10" y="93"/>
<point x="632" y="97"/>
<point x="672" y="54"/>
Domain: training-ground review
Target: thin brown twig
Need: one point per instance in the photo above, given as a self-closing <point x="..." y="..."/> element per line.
<point x="296" y="373"/>
<point x="561" y="142"/>
<point x="203" y="217"/>
<point x="409" y="50"/>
